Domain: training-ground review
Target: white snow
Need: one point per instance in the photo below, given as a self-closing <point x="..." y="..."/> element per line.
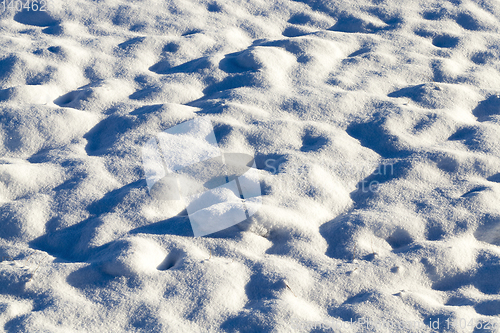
<point x="375" y="127"/>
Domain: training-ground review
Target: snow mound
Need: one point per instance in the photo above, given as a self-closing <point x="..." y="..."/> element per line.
<point x="133" y="257"/>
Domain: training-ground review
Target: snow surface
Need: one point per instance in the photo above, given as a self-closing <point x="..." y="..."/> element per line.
<point x="375" y="126"/>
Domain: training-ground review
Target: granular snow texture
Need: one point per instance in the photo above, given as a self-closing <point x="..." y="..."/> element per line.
<point x="375" y="126"/>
